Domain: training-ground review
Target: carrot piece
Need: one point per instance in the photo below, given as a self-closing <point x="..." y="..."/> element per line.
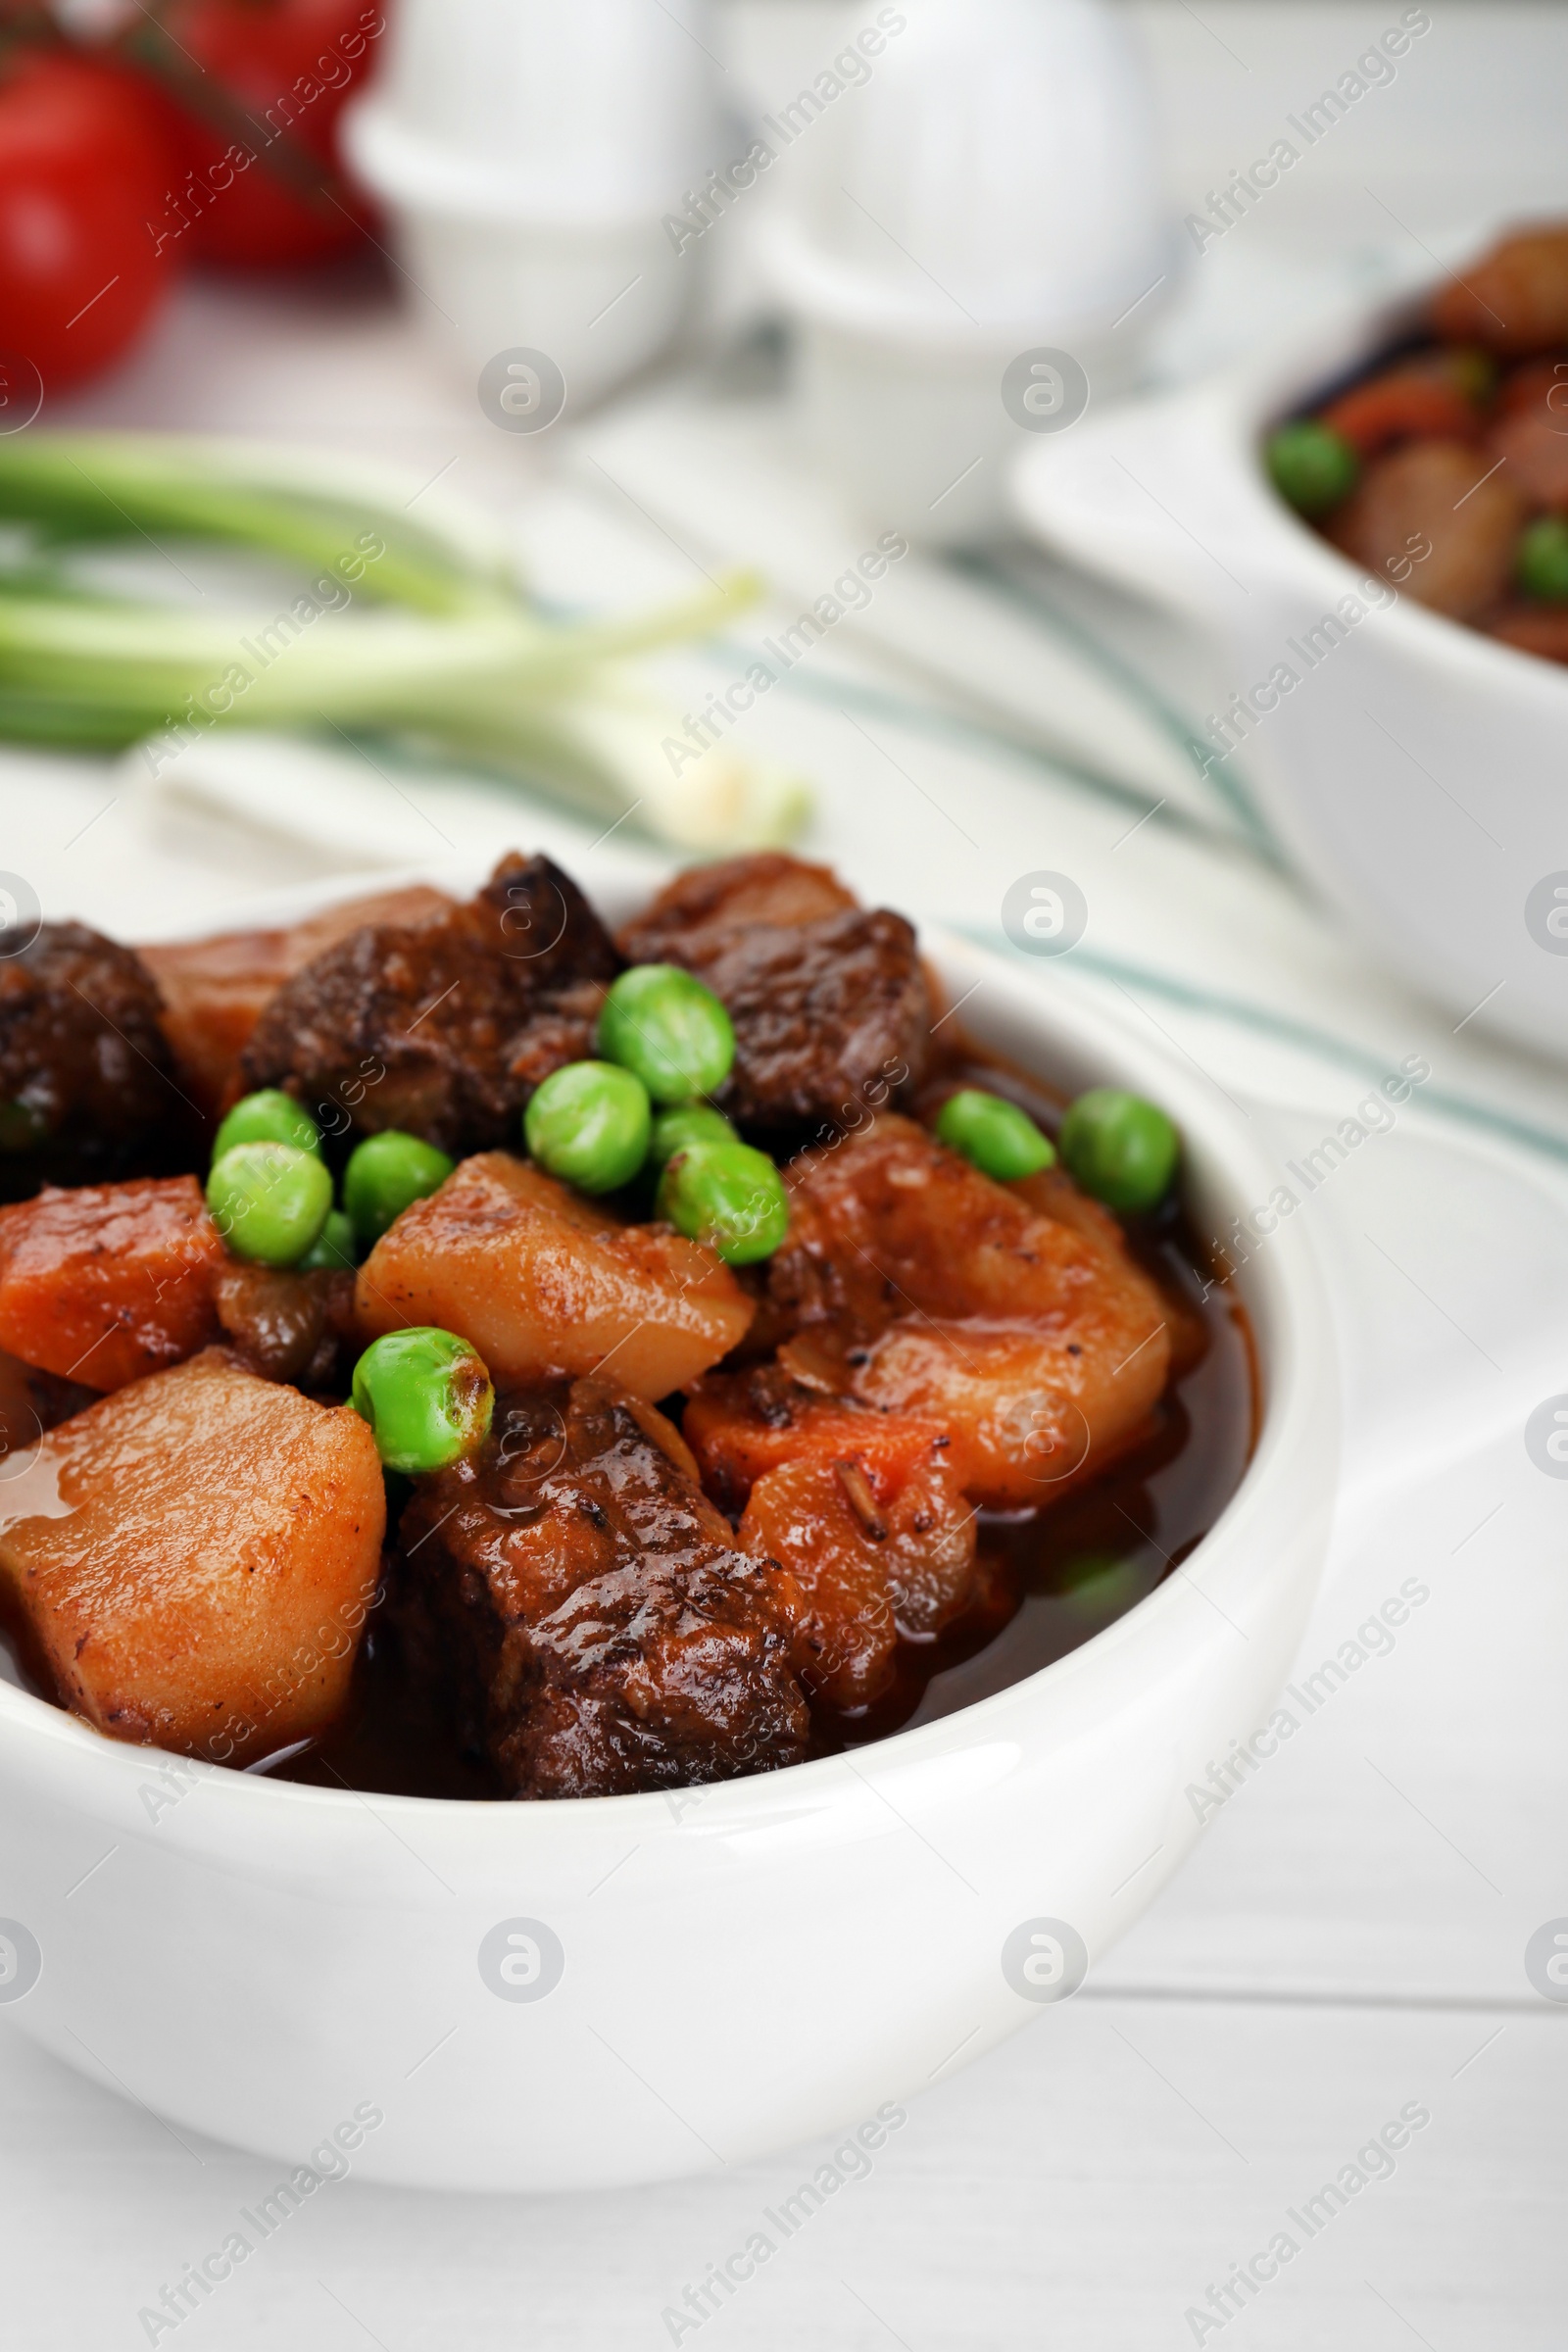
<point x="865" y="1573"/>
<point x="735" y="1444"/>
<point x="109" y="1282"/>
<point x="1408" y="404"/>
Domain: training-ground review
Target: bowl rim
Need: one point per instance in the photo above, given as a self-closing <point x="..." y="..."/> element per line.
<point x="1297" y="1387"/>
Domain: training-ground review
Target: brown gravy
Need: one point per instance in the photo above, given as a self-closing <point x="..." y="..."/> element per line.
<point x="1050" y="1581"/>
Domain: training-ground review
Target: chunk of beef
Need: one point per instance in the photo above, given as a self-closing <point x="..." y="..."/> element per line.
<point x="603" y="1631"/>
<point x="548" y="1285"/>
<point x="110" y="1282"/>
<point x="445" y="1027"/>
<point x="31" y="1403"/>
<point x="1033" y="1343"/>
<point x="88" y="1086"/>
<point x="193" y="1558"/>
<point x="288" y="1325"/>
<point x="1515" y="298"/>
<point x="215" y="990"/>
<point x="828" y="1001"/>
<point x="1435" y="496"/>
<point x="707" y="905"/>
<point x="1540" y="629"/>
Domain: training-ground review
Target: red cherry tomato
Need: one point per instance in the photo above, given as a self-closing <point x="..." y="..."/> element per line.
<point x="83" y="166"/>
<point x="254" y="90"/>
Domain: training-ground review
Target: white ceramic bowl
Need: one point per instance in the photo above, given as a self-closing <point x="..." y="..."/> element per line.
<point x="743" y="1966"/>
<point x="990" y="194"/>
<point x="529" y="153"/>
<point x="1417" y="770"/>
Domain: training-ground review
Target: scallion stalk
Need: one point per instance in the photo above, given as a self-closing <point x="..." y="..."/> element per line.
<point x="406" y="628"/>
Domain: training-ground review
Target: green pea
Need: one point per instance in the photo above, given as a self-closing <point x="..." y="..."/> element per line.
<point x="20" y="1127"/>
<point x="1120" y="1148"/>
<point x="688" y="1123"/>
<point x="663" y="1024"/>
<point x="727" y="1196"/>
<point x="427" y="1396"/>
<point x="270" y="1202"/>
<point x="1473" y="371"/>
<point x="1542" y="562"/>
<point x="1002" y="1139"/>
<point x="270" y="1117"/>
<point x="1311" y="466"/>
<point x="589" y="1124"/>
<point x="334" y="1246"/>
<point x="385" y="1175"/>
<point x="1102" y="1585"/>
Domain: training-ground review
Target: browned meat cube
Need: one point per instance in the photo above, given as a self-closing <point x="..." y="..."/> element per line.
<point x="1515" y="298"/>
<point x="215" y="990"/>
<point x="1435" y="495"/>
<point x="829" y="1002"/>
<point x="193" y="1557"/>
<point x="707" y="905"/>
<point x="1540" y="629"/>
<point x="286" y="1325"/>
<point x="32" y="1401"/>
<point x="444" y="1027"/>
<point x="603" y="1631"/>
<point x="548" y="1285"/>
<point x="87" y="1085"/>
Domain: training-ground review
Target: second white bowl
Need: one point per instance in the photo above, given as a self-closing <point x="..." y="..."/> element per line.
<point x="1413" y="768"/>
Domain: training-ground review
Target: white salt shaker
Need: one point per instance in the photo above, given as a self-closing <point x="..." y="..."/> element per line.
<point x="971" y="244"/>
<point x="528" y="152"/>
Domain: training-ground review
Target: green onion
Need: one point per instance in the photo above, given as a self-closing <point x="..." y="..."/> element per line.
<point x="411" y="629"/>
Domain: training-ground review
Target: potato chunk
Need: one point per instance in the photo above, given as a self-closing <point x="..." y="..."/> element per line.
<point x="549" y="1286"/>
<point x="1032" y="1339"/>
<point x="110" y="1282"/>
<point x="1032" y="1416"/>
<point x="193" y="1558"/>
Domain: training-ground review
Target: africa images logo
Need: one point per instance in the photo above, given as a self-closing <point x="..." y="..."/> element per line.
<point x="1045" y="913"/>
<point x="521" y="1960"/>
